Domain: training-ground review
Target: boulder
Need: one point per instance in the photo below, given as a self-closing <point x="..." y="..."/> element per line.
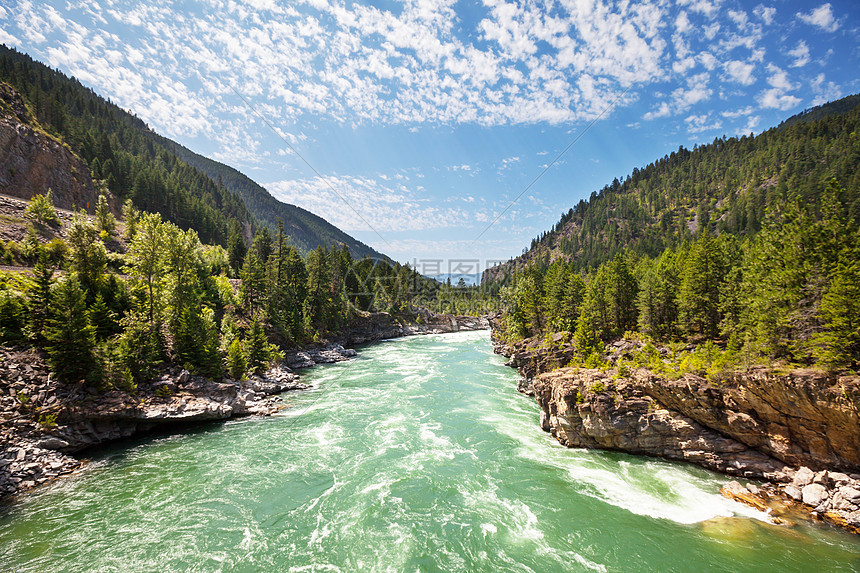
<point x="52" y="443"/>
<point x="803" y="477"/>
<point x="793" y="492"/>
<point x="735" y="491"/>
<point x="850" y="494"/>
<point x="814" y="494"/>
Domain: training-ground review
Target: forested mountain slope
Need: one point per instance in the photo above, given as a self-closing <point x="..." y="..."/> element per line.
<point x="118" y="149"/>
<point x="749" y="248"/>
<point x="306" y="230"/>
<point x="157" y="174"/>
<point x="724" y="186"/>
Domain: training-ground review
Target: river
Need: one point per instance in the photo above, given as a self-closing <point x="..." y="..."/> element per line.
<point x="419" y="455"/>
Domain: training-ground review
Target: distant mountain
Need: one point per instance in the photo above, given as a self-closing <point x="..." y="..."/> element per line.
<point x="157" y="174"/>
<point x="306" y="230"/>
<point x="471" y="279"/>
<point x="725" y="187"/>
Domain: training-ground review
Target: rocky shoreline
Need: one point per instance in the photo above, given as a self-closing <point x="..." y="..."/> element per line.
<point x="44" y="424"/>
<point x="754" y="425"/>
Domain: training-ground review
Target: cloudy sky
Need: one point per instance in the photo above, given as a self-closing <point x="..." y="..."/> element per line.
<point x="429" y="117"/>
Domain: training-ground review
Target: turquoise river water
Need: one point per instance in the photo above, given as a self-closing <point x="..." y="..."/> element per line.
<point x="419" y="455"/>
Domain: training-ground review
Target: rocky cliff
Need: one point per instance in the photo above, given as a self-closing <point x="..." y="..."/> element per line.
<point x="42" y="421"/>
<point x="587" y="408"/>
<point x="33" y="162"/>
<point x="802" y="417"/>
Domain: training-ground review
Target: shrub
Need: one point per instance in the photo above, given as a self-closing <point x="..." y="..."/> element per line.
<point x="48" y="421"/>
<point x="57" y="250"/>
<point x="139" y="348"/>
<point x="41" y="210"/>
<point x="104" y="218"/>
<point x="13" y="314"/>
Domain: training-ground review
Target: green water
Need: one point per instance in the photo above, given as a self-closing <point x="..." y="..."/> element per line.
<point x="417" y="456"/>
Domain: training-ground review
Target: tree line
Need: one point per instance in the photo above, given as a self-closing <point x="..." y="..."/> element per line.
<point x="129" y="302"/>
<point x="725" y="186"/>
<point x="790" y="292"/>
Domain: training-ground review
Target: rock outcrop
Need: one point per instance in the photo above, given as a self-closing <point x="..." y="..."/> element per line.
<point x="33" y="162"/>
<point x="589" y="409"/>
<point x="801" y="417"/>
<point x="833" y="497"/>
<point x="42" y="422"/>
<point x="755" y="424"/>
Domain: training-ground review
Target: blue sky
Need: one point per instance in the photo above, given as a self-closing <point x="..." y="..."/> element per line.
<point x="430" y="116"/>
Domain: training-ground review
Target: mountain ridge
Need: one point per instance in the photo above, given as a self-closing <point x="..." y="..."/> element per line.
<point x="157" y="173"/>
<point x="300" y="224"/>
<point x="724" y="186"/>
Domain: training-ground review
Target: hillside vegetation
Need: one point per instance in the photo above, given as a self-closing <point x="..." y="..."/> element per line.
<point x="305" y="230"/>
<point x="722" y="187"/>
<point x="157" y="174"/>
<point x="747" y="246"/>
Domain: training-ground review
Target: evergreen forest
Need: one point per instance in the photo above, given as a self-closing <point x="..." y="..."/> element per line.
<point x="747" y="247"/>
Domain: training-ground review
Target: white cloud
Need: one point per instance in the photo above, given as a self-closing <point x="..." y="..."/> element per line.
<point x="800" y="55"/>
<point x="778" y="78"/>
<point x="824" y="91"/>
<point x="766" y="13"/>
<point x="821" y="17"/>
<point x="8" y="39"/>
<point x="777" y="99"/>
<point x="385" y="205"/>
<point x="732" y="114"/>
<point x="740" y="72"/>
<point x="750" y="126"/>
<point x="706" y="7"/>
<point x="740" y="18"/>
<point x="702" y="123"/>
<point x="410" y="63"/>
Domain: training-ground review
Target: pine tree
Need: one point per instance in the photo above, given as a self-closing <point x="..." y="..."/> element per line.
<point x="39" y="297"/>
<point x="145" y="259"/>
<point x="236" y="364"/>
<point x="69" y="335"/>
<point x="235" y="247"/>
<point x="102" y="318"/>
<point x="87" y="255"/>
<point x="139" y="347"/>
<point x="252" y="291"/>
<point x="104" y="218"/>
<point x="838" y="344"/>
<point x="257" y="348"/>
<point x="130" y="214"/>
<point x="699" y="295"/>
<point x="196" y="342"/>
<point x="621" y="293"/>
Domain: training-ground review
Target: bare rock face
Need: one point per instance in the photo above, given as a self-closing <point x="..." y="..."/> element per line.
<point x="803" y="418"/>
<point x="587" y="408"/>
<point x="32" y="162"/>
<point x="536" y="355"/>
